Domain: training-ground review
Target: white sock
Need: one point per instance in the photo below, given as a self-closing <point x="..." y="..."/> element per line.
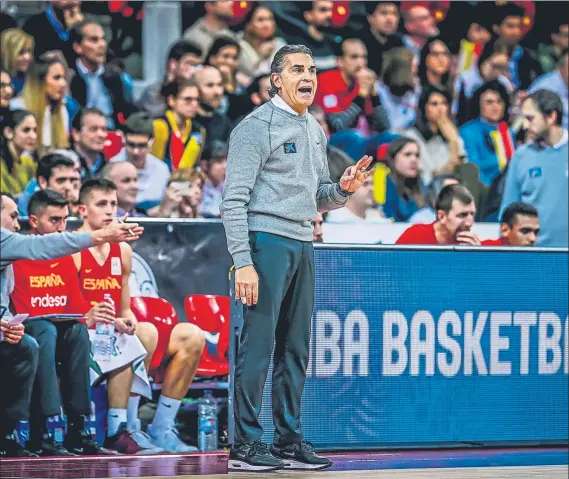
<point x="115" y="417"/>
<point x="165" y="413"/>
<point x="132" y="413"/>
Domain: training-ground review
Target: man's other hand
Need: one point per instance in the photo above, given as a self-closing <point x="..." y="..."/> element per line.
<point x="247" y="285"/>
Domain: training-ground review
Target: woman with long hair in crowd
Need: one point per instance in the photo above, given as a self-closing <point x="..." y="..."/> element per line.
<point x="435" y="64"/>
<point x="6" y="93"/>
<point x="17" y="55"/>
<point x="44" y="95"/>
<point x="17" y="144"/>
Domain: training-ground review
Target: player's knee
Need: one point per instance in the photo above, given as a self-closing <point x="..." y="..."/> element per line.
<point x="192" y="339"/>
<point x="148" y="335"/>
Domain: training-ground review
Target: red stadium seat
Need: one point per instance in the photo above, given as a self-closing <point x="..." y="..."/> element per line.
<point x="211" y="314"/>
<point x="163" y="315"/>
<point x="113" y="143"/>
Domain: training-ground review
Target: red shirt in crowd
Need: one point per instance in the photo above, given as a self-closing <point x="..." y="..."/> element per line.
<point x="419" y="234"/>
<point x="333" y="94"/>
<point x="45" y="287"/>
<point x="495" y="242"/>
<point x="97" y="280"/>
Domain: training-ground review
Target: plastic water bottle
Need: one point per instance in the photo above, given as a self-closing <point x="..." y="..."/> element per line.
<point x="91" y="421"/>
<point x="207" y="423"/>
<point x="102" y="345"/>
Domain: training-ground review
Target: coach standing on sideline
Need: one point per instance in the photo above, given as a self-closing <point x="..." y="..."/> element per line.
<point x="277" y="179"/>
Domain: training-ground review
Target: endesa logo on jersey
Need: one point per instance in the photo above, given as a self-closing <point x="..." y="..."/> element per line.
<point x="46" y="281"/>
<point x="48" y="301"/>
<point x="93" y="284"/>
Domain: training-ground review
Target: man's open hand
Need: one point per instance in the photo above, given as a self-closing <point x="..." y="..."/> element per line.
<point x="355" y="175"/>
<point x="247" y="285"/>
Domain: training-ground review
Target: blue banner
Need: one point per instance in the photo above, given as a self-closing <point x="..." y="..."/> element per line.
<point x="431" y="347"/>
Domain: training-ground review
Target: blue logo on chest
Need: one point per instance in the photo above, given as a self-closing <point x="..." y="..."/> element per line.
<point x="535" y="172"/>
<point x="289" y="148"/>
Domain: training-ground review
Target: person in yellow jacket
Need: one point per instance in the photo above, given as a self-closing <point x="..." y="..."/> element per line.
<point x="178" y="138"/>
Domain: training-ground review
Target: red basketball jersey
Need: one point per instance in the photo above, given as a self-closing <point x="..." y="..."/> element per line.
<point x="97" y="280"/>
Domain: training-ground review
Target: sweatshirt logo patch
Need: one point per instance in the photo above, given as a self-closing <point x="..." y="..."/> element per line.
<point x="535" y="172"/>
<point x="289" y="148"/>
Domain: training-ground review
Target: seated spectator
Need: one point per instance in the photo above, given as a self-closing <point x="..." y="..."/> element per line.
<point x="153" y="173"/>
<point x="51" y="29"/>
<point x="178" y="138"/>
<point x="183" y="58"/>
<point x="214" y="166"/>
<point x="549" y="55"/>
<point x="348" y="92"/>
<point x="420" y="25"/>
<point x="360" y="207"/>
<point x="317" y="236"/>
<point x="6" y="93"/>
<point x="258" y="42"/>
<point x="455" y="216"/>
<point x="399" y="89"/>
<point x="18" y="141"/>
<point x="435" y="64"/>
<point x="428" y="214"/>
<point x="490" y="107"/>
<point x="216" y="21"/>
<point x="519" y="226"/>
<point x="556" y="81"/>
<point x="125" y="177"/>
<point x="45" y="96"/>
<point x="404" y="188"/>
<point x="257" y="93"/>
<point x="17" y="56"/>
<point x="217" y="125"/>
<point x="89" y="132"/>
<point x="383" y="18"/>
<point x="183" y="196"/>
<point x="96" y="84"/>
<point x="537" y="173"/>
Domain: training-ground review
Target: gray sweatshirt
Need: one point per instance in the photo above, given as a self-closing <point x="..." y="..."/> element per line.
<point x="277" y="178"/>
<point x="14" y="246"/>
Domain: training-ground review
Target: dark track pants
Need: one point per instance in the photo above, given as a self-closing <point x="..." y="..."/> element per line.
<point x="281" y="317"/>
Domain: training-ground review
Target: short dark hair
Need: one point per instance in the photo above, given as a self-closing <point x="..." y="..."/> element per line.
<point x="41" y="199"/>
<point x="255" y="86"/>
<point x="279" y="60"/>
<point x="215" y="150"/>
<point x="77" y="122"/>
<point x="492" y="85"/>
<point x="139" y="124"/>
<point x="450" y="193"/>
<point x="50" y="161"/>
<point x="547" y="103"/>
<point x="519" y="208"/>
<point x="218" y="44"/>
<point x="5" y="195"/>
<point x="95" y="184"/>
<point x="183" y="47"/>
<point x="76" y="32"/>
<point x="174" y="87"/>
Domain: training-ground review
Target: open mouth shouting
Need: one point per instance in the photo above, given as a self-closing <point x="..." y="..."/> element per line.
<point x="306" y="92"/>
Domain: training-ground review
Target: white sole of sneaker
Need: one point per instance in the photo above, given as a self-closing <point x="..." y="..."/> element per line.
<point x="235" y="465"/>
<point x="290" y="464"/>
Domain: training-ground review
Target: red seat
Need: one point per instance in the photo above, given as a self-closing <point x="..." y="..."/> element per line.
<point x="211" y="314"/>
<point x="113" y="143"/>
<point x="163" y="315"/>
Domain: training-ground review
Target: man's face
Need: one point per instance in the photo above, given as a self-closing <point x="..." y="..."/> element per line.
<point x="186" y="66"/>
<point x="561" y="38"/>
<point x="99" y="209"/>
<point x="523" y="232"/>
<point x="222" y="9"/>
<point x="491" y="106"/>
<point x="385" y="19"/>
<point x="93" y="133"/>
<point x="211" y="87"/>
<point x="317" y="221"/>
<point x="186" y="103"/>
<point x="510" y="30"/>
<point x="9" y="214"/>
<point x="137" y="147"/>
<point x="421" y="22"/>
<point x="363" y="197"/>
<point x="297" y="83"/>
<point x="354" y="58"/>
<point x="216" y="170"/>
<point x="64" y="179"/>
<point x="321" y="14"/>
<point x="536" y="124"/>
<point x="460" y="218"/>
<point x="125" y="176"/>
<point x="93" y="47"/>
<point x="51" y="219"/>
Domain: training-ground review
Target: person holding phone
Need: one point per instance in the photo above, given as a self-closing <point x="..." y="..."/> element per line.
<point x="183" y="196"/>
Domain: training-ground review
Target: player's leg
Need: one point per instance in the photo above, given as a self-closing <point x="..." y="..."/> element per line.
<point x="185" y="348"/>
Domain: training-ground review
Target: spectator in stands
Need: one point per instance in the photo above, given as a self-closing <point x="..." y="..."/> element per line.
<point x="96" y="85"/>
<point x="549" y="55"/>
<point x="404" y="188"/>
<point x="51" y="29"/>
<point x="258" y="90"/>
<point x="183" y="196"/>
<point x="556" y="81"/>
<point x="399" y="89"/>
<point x="125" y="177"/>
<point x="178" y="137"/>
<point x="490" y="107"/>
<point x="89" y="132"/>
<point x="538" y="171"/>
<point x="455" y="216"/>
<point x="318" y="17"/>
<point x="428" y="214"/>
<point x="217" y="125"/>
<point x="519" y="227"/>
<point x="6" y="93"/>
<point x="45" y="95"/>
<point x="382" y="36"/>
<point x="258" y="42"/>
<point x="317" y="236"/>
<point x="434" y="64"/>
<point x="420" y="25"/>
<point x="183" y="58"/>
<point x="181" y="347"/>
<point x="153" y="174"/>
<point x="360" y="207"/>
<point x="17" y="55"/>
<point x="66" y="342"/>
<point x="214" y="166"/>
<point x="348" y="92"/>
<point x="215" y="23"/>
<point x="9" y="214"/>
<point x="18" y="141"/>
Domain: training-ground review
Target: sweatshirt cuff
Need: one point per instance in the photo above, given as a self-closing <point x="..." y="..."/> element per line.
<point x="243" y="258"/>
<point x="343" y="193"/>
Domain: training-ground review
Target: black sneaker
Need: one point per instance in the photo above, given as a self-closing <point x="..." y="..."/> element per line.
<point x="300" y="455"/>
<point x="253" y="456"/>
<point x="48" y="447"/>
<point x="83" y="444"/>
<point x="9" y="447"/>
